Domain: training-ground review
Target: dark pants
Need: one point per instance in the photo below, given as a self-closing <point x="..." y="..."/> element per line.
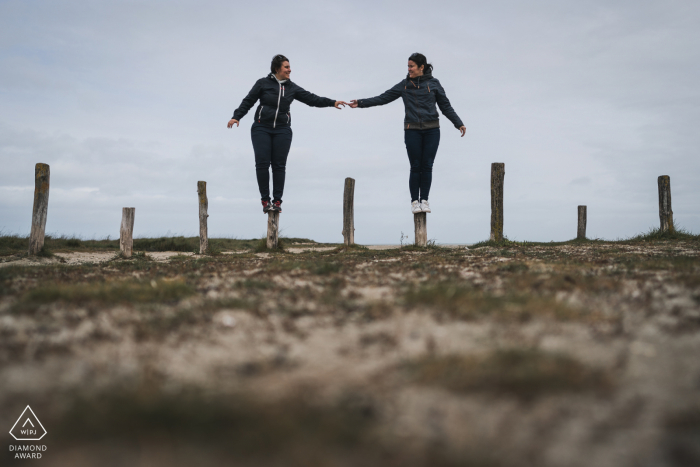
<point x="271" y="146"/>
<point x="421" y="146"/>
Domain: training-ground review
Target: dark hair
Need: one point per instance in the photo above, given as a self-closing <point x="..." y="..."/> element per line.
<point x="420" y="60"/>
<point x="277" y="62"/>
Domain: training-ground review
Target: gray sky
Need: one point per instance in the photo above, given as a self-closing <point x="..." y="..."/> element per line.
<point x="586" y="102"/>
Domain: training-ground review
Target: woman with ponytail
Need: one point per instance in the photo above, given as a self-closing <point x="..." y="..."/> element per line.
<point x="420" y="92"/>
<point x="271" y="131"/>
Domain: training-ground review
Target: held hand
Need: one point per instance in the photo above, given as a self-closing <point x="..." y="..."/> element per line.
<point x="463" y="130"/>
<point x="232" y="122"/>
<point x="339" y="103"/>
<point x="353" y="104"/>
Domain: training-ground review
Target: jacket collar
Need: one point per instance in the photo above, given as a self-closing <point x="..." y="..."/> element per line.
<point x="274" y="78"/>
<point x="423" y="77"/>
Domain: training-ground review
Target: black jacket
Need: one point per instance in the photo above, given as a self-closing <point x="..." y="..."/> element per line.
<point x="419" y="98"/>
<point x="275" y="100"/>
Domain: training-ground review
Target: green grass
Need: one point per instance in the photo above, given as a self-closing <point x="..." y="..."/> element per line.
<point x="16" y="244"/>
<point x="522" y="373"/>
<point x="463" y="301"/>
<point x="128" y="291"/>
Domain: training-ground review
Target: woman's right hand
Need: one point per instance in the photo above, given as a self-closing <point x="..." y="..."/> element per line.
<point x="353" y="104"/>
<point x="232" y="122"/>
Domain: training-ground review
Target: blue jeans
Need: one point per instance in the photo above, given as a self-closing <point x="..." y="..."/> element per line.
<point x="271" y="146"/>
<point x="421" y="146"/>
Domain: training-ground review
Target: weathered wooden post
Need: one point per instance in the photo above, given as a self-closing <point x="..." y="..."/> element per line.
<point x="498" y="172"/>
<point x="126" y="232"/>
<point x="420" y="223"/>
<point x="40" y="209"/>
<point x="349" y="212"/>
<point x="665" y="212"/>
<point x="273" y="227"/>
<point x="203" y="207"/>
<point x="581" y="234"/>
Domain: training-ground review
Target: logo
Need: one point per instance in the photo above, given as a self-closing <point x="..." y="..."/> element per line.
<point x="28" y="427"/>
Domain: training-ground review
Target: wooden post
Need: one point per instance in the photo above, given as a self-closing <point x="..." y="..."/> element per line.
<point x="581" y="234"/>
<point x="420" y="223"/>
<point x="498" y="172"/>
<point x="203" y="207"/>
<point x="349" y="212"/>
<point x="126" y="232"/>
<point x="665" y="212"/>
<point x="273" y="227"/>
<point x="40" y="209"/>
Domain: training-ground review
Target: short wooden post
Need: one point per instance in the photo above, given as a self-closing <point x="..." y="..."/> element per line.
<point x="349" y="212"/>
<point x="420" y="223"/>
<point x="581" y="234"/>
<point x="498" y="172"/>
<point x="40" y="209"/>
<point x="126" y="232"/>
<point x="273" y="227"/>
<point x="665" y="211"/>
<point x="203" y="207"/>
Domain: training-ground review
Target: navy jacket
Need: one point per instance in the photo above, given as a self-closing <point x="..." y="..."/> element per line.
<point x="419" y="98"/>
<point x="275" y="100"/>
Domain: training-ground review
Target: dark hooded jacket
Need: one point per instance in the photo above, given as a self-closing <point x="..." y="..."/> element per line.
<point x="419" y="95"/>
<point x="275" y="99"/>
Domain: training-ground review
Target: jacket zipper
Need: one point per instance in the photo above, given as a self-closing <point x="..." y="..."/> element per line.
<point x="260" y="114"/>
<point x="279" y="96"/>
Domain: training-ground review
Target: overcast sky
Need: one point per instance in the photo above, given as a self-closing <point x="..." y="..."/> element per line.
<point x="585" y="102"/>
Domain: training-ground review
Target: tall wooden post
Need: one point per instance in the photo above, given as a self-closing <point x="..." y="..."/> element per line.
<point x="498" y="172"/>
<point x="581" y="233"/>
<point x="420" y="223"/>
<point x="665" y="211"/>
<point x="273" y="227"/>
<point x="203" y="207"/>
<point x="126" y="232"/>
<point x="40" y="209"/>
<point x="349" y="212"/>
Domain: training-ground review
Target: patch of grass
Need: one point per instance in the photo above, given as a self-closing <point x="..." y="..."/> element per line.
<point x="11" y="244"/>
<point x="680" y="440"/>
<point x="323" y="268"/>
<point x="289" y="432"/>
<point x="106" y="293"/>
<point x="466" y="302"/>
<point x="261" y="246"/>
<point x="655" y="234"/>
<point x="525" y="374"/>
<point x="45" y="252"/>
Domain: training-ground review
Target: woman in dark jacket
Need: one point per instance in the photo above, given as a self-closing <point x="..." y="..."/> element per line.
<point x="271" y="131"/>
<point x="420" y="92"/>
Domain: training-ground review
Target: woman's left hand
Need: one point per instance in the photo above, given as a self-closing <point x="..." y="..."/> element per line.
<point x="339" y="103"/>
<point x="463" y="130"/>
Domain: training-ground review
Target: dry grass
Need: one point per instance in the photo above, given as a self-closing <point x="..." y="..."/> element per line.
<point x="522" y="373"/>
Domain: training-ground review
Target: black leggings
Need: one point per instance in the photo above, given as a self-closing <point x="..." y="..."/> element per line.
<point x="271" y="146"/>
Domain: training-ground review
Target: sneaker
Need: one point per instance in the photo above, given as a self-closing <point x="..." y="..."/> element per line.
<point x="267" y="206"/>
<point x="424" y="206"/>
<point x="415" y="207"/>
<point x="277" y="205"/>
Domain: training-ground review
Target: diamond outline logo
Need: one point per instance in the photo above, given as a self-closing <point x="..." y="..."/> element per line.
<point x="35" y="418"/>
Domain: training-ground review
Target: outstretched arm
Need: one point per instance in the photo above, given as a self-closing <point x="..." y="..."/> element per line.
<point x="446" y="108"/>
<point x="313" y="100"/>
<point x="388" y="96"/>
<point x="247" y="103"/>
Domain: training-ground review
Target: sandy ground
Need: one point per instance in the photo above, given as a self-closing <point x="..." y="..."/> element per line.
<point x="295" y="339"/>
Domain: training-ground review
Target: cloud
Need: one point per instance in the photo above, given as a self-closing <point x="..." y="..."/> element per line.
<point x="586" y="103"/>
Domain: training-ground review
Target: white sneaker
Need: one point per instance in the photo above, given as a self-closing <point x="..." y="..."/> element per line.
<point x="415" y="207"/>
<point x="424" y="206"/>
